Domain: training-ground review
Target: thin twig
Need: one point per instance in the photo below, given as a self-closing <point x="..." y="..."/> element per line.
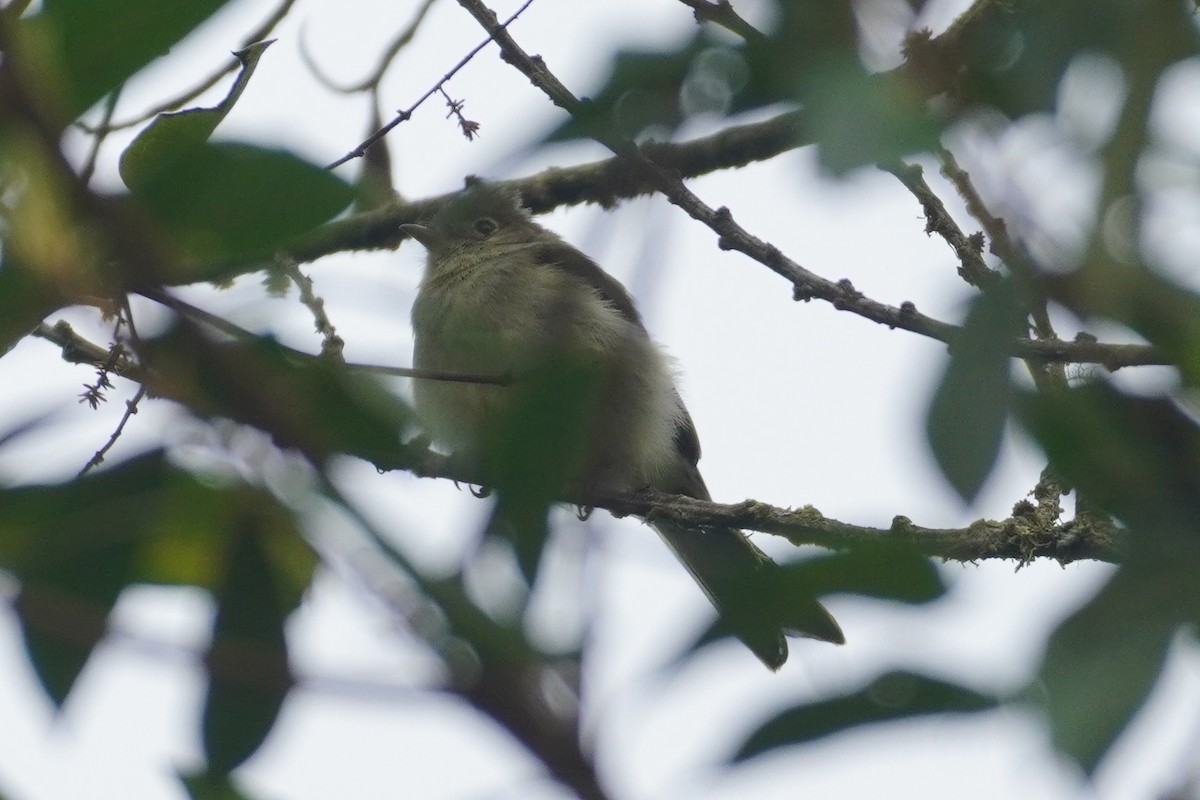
<point x="101" y="133"/>
<point x="131" y="408"/>
<point x="722" y="13"/>
<point x="237" y="332"/>
<point x="332" y="345"/>
<point x="971" y="266"/>
<point x="1001" y="244"/>
<point x="407" y="113"/>
<point x="806" y="285"/>
<point x="389" y="54"/>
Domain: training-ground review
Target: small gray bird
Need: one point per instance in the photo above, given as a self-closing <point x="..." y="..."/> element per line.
<point x="502" y="295"/>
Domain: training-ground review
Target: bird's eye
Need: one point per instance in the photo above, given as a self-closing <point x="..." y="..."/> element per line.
<point x="485" y="226"/>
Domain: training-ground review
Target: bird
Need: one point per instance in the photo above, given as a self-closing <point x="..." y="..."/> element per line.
<point x="502" y="295"/>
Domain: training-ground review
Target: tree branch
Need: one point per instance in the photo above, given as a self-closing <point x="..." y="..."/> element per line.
<point x="806" y="285"/>
<point x="722" y="13"/>
<point x="1026" y="535"/>
<point x="1023" y="536"/>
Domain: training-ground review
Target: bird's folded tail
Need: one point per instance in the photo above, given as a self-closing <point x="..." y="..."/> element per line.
<point x="742" y="583"/>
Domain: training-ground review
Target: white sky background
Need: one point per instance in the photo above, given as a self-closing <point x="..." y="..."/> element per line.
<point x="795" y="404"/>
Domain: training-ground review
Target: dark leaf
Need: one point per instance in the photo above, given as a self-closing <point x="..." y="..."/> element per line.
<point x="75" y="546"/>
<point x="535" y="453"/>
<point x="249" y="675"/>
<point x="859" y="119"/>
<point x="887" y="572"/>
<point x="24" y="302"/>
<point x="896" y="695"/>
<point x="969" y="409"/>
<point x="1102" y="662"/>
<point x="234" y="200"/>
<point x="82" y="49"/>
<point x="211" y="786"/>
<point x="1137" y="457"/>
<point x="62" y="626"/>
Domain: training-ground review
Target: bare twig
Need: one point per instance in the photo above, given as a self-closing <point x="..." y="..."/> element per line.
<point x="971" y="266"/>
<point x="1001" y="244"/>
<point x="806" y="285"/>
<point x="372" y="80"/>
<point x="101" y="133"/>
<point x="332" y="345"/>
<point x="407" y="113"/>
<point x="79" y="350"/>
<point x="131" y="408"/>
<point x="722" y="13"/>
<point x="469" y="128"/>
<point x="237" y="332"/>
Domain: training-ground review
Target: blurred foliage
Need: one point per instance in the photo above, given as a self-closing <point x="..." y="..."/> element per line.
<point x="970" y="407"/>
<point x="197" y="210"/>
<point x="882" y="571"/>
<point x="892" y="696"/>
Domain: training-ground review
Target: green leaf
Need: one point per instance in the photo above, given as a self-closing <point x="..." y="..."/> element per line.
<point x="896" y="695"/>
<point x="888" y="572"/>
<point x="228" y="200"/>
<point x="75" y="546"/>
<point x="537" y="451"/>
<point x="211" y="786"/>
<point x="858" y="119"/>
<point x="172" y="135"/>
<point x="789" y="592"/>
<point x="80" y="50"/>
<point x="1102" y="662"/>
<point x="1137" y="457"/>
<point x="73" y="549"/>
<point x="63" y="619"/>
<point x="967" y="415"/>
<point x="24" y="301"/>
<point x="249" y="675"/>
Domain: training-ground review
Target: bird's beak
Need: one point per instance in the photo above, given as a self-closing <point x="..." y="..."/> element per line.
<point x="425" y="235"/>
